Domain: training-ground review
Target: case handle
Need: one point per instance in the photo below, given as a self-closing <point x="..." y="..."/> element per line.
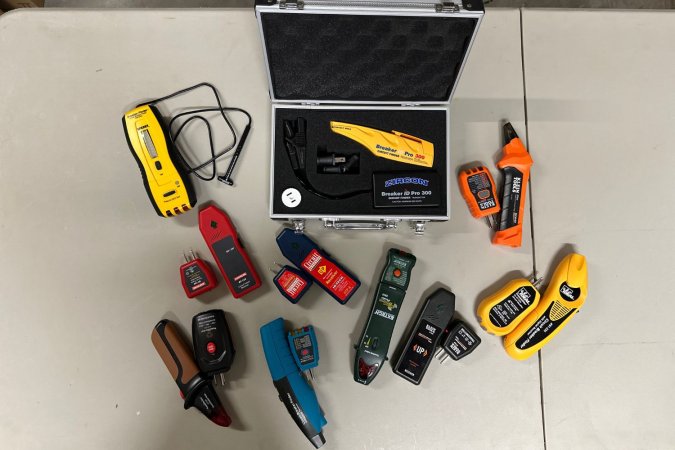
<point x="337" y="224"/>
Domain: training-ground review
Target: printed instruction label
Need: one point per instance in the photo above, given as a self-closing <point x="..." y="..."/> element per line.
<point x="329" y="275"/>
<point x="504" y="312"/>
<point x="292" y="284"/>
<point x="195" y="278"/>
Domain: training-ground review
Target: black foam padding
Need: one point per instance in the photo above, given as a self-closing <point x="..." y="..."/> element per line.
<point x="365" y="57"/>
<point x="430" y="125"/>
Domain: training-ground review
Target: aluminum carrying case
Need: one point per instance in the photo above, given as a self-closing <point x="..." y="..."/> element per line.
<point x="385" y="65"/>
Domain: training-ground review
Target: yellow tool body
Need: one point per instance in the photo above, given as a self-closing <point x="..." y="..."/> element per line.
<point x="566" y="293"/>
<point x="502" y="311"/>
<point x="168" y="186"/>
<point x="396" y="146"/>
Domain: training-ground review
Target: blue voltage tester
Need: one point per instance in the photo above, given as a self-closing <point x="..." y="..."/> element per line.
<point x="304" y="348"/>
<point x="294" y="390"/>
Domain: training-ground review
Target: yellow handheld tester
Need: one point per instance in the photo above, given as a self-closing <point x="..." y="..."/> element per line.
<point x="395" y="146"/>
<point x="167" y="184"/>
<point x="566" y="293"/>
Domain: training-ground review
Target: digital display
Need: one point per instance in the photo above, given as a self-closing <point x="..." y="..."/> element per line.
<point x="149" y="145"/>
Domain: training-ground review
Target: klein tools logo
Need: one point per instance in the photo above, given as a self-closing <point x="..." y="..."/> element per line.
<point x="430" y="329"/>
<point x="406" y="180"/>
<point x="486" y="204"/>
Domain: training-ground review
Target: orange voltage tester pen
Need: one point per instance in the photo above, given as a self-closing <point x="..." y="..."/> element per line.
<point x="515" y="164"/>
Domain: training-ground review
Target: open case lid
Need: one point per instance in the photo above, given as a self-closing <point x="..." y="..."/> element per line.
<point x="363" y="51"/>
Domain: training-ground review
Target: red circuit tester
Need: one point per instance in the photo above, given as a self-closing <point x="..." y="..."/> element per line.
<point x="292" y="283"/>
<point x="228" y="251"/>
<point x="196" y="276"/>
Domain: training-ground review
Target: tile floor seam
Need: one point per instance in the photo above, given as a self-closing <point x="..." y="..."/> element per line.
<point x="532" y="233"/>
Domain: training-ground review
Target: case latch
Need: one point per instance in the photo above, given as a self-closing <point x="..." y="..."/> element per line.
<point x="298" y="225"/>
<point x="447" y="7"/>
<point x="418" y="226"/>
<point x="338" y="224"/>
<point x="291" y="4"/>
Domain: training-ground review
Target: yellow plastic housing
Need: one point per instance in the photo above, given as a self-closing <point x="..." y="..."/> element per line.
<point x="566" y="293"/>
<point x="502" y="311"/>
<point x="168" y="187"/>
<point x="395" y="146"/>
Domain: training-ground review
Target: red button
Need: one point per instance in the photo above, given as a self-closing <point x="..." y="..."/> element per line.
<point x="397" y="273"/>
<point x="211" y="348"/>
<point x="304" y="351"/>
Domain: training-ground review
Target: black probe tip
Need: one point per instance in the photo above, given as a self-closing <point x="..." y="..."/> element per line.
<point x="509" y="133"/>
<point x="289" y="131"/>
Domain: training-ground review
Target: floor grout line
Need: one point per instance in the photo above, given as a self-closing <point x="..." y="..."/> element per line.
<point x="532" y="235"/>
<point x="541" y="394"/>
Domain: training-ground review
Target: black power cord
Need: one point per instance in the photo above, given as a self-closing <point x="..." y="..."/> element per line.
<point x="194" y="115"/>
<point x="295" y="142"/>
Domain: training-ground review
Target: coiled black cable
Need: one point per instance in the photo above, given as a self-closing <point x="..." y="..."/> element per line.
<point x="194" y="113"/>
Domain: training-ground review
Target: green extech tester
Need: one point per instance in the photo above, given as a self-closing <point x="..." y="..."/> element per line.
<point x="371" y="351"/>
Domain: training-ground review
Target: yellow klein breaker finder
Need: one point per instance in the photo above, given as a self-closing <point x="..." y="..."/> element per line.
<point x="529" y="322"/>
<point x="396" y="146"/>
<point x="167" y="183"/>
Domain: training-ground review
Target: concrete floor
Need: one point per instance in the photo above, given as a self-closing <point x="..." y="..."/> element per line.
<point x="616" y="4"/>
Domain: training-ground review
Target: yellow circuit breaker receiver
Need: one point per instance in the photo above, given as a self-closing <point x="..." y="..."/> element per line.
<point x="566" y="293"/>
<point x="167" y="183"/>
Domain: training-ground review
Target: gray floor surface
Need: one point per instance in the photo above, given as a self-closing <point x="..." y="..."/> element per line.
<point x="617" y="4"/>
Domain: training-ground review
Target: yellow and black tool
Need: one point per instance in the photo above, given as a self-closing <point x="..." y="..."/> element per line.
<point x="566" y="293"/>
<point x="502" y="311"/>
<point x="396" y="146"/>
<point x="167" y="183"/>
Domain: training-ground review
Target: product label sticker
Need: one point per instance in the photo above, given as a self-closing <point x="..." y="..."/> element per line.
<point x="233" y="264"/>
<point x="329" y="275"/>
<point x="542" y="328"/>
<point x="480" y="186"/>
<point x="513" y="183"/>
<point x="303" y="347"/>
<point x="195" y="278"/>
<point x="419" y="351"/>
<point x="406" y="190"/>
<point x="292" y="284"/>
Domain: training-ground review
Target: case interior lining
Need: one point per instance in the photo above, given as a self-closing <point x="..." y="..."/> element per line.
<point x="365" y="57"/>
<point x="424" y="123"/>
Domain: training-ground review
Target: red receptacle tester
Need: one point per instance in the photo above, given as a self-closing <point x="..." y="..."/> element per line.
<point x="196" y="276"/>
